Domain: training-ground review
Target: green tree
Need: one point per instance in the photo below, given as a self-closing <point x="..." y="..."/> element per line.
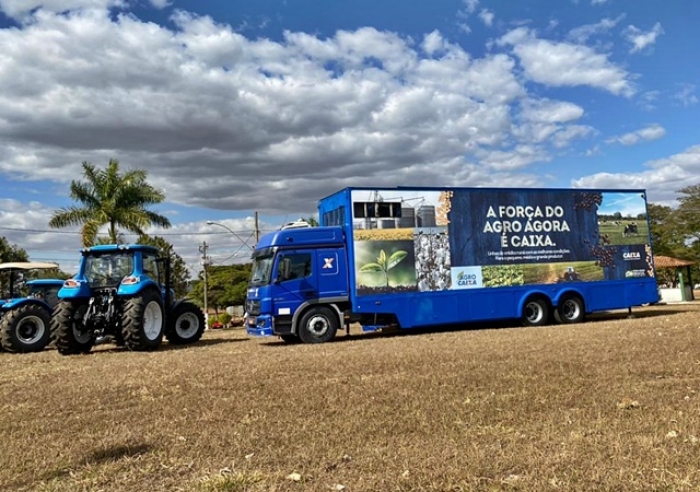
<point x="179" y="274"/>
<point x="112" y="198"/>
<point x="666" y="235"/>
<point x="688" y="214"/>
<point x="227" y="285"/>
<point x="312" y="221"/>
<point x="11" y="252"/>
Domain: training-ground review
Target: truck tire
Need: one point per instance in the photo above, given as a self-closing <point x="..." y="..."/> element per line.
<point x="535" y="312"/>
<point x="571" y="309"/>
<point x="67" y="328"/>
<point x="318" y="325"/>
<point x="142" y="322"/>
<point x="25" y="329"/>
<point x="185" y="324"/>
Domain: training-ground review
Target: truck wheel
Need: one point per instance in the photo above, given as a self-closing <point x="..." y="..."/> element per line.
<point x="25" y="329"/>
<point x="571" y="310"/>
<point x="535" y="312"/>
<point x="142" y="322"/>
<point x="318" y="325"/>
<point x="68" y="330"/>
<point x="185" y="324"/>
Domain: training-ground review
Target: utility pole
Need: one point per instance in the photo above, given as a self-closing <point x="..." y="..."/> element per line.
<point x="257" y="229"/>
<point x="205" y="261"/>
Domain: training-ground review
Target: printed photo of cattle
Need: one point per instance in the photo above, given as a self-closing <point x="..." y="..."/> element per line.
<point x="622" y="219"/>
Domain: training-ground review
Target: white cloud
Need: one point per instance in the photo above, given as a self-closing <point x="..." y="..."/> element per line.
<point x="548" y="111"/>
<point x="223" y="121"/>
<point x="566" y="64"/>
<point x="686" y="94"/>
<point x="433" y="43"/>
<point x="582" y="33"/>
<point x="487" y="17"/>
<point x="651" y="132"/>
<point x="20" y="9"/>
<point x="470" y="6"/>
<point x="663" y="178"/>
<point x="647" y="100"/>
<point x="640" y="39"/>
<point x="160" y="4"/>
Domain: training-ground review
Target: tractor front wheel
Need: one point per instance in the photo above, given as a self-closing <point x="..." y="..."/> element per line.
<point x="185" y="324"/>
<point x="69" y="332"/>
<point x="142" y="322"/>
<point x="25" y="329"/>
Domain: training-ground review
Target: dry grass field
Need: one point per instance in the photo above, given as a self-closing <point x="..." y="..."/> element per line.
<point x="608" y="405"/>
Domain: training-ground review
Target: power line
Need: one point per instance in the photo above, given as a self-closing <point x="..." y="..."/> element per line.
<point x="48" y="231"/>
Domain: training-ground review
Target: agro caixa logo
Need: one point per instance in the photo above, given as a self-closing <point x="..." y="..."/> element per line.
<point x="467" y="277"/>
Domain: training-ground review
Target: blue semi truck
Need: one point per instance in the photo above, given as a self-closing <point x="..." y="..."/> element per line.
<point x="411" y="257"/>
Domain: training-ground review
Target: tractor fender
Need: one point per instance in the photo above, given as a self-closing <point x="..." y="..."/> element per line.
<point x="15" y="303"/>
<point x="134" y="289"/>
<point x="74" y="288"/>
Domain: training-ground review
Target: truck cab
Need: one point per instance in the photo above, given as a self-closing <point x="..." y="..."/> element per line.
<point x="299" y="285"/>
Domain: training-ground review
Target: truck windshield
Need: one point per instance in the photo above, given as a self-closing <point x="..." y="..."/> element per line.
<point x="262" y="268"/>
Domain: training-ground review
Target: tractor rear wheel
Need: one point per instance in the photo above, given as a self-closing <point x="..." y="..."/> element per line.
<point x="185" y="324"/>
<point x="142" y="321"/>
<point x="25" y="328"/>
<point x="67" y="328"/>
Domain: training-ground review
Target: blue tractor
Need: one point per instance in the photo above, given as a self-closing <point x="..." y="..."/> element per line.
<point x="25" y="319"/>
<point x="123" y="292"/>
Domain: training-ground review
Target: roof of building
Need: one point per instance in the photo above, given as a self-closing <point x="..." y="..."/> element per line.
<point x="669" y="262"/>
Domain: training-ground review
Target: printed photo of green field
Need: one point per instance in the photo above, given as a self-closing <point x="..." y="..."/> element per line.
<point x="623" y="232"/>
<point x="541" y="273"/>
<point x="554" y="273"/>
<point x="502" y="276"/>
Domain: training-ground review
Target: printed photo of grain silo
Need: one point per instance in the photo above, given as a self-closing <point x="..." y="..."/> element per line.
<point x="416" y="219"/>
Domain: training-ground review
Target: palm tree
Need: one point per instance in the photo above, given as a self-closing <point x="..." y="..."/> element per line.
<point x="109" y="198"/>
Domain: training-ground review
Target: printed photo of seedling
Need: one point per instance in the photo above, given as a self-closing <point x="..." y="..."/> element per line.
<point x="385" y="266"/>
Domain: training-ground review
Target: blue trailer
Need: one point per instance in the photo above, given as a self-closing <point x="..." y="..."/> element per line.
<point x="413" y="257"/>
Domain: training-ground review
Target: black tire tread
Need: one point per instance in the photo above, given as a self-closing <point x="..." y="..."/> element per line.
<point x="62" y="330"/>
<point x="132" y="322"/>
<point x="318" y="311"/>
<point x="582" y="306"/>
<point x="9" y="322"/>
<point x="171" y="333"/>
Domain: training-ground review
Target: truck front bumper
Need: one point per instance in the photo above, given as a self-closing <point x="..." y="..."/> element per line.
<point x="259" y="326"/>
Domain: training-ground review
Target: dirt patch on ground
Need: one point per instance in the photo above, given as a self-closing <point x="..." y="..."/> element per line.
<point x="610" y="404"/>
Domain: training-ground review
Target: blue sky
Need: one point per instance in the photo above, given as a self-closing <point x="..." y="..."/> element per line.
<point x="236" y="107"/>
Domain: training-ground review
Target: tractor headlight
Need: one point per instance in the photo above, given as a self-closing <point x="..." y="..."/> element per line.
<point x="71" y="284"/>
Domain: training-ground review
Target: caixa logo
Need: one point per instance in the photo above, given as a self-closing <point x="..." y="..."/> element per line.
<point x="465" y="279"/>
<point x="631" y="256"/>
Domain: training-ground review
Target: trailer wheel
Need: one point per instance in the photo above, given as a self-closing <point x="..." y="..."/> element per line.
<point x="535" y="312"/>
<point x="571" y="309"/>
<point x="67" y="328"/>
<point x="142" y="322"/>
<point x="185" y="324"/>
<point x="25" y="329"/>
<point x="318" y="325"/>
